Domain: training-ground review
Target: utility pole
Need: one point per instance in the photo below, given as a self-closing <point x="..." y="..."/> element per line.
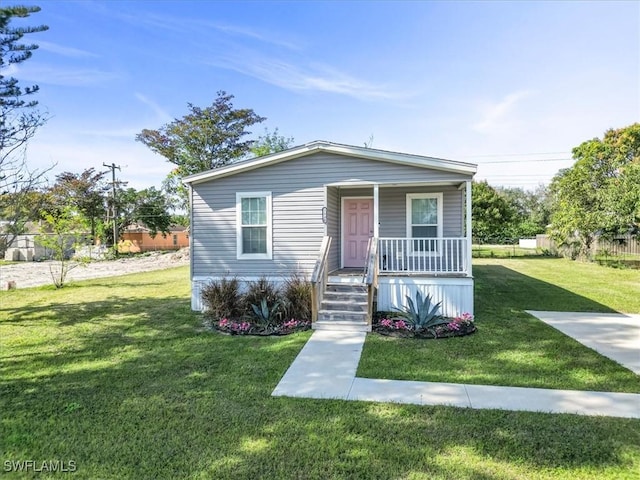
<point x="114" y="207"/>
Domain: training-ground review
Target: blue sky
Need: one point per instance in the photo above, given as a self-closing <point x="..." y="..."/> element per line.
<point x="512" y="86"/>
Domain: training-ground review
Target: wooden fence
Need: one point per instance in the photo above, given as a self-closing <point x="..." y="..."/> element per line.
<point x="621" y="245"/>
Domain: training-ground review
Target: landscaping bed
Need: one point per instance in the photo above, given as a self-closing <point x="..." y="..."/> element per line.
<point x="388" y="324"/>
<point x="259" y="308"/>
<point x="229" y="327"/>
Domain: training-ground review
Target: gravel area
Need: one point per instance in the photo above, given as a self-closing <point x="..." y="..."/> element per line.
<point x="33" y="274"/>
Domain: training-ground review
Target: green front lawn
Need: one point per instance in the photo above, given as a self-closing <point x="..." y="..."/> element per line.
<point x="118" y="376"/>
<point x="511" y="347"/>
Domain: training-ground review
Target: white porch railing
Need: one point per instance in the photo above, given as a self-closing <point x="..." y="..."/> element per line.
<point x="423" y="255"/>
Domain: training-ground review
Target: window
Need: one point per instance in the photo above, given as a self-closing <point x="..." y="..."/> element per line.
<point x="175" y="240"/>
<point x="253" y="215"/>
<point x="424" y="220"/>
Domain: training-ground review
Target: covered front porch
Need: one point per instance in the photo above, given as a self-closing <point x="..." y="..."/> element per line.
<point x="420" y="228"/>
<point x="395" y="239"/>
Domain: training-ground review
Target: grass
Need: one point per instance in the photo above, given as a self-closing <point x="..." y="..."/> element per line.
<point x="118" y="376"/>
<point x="502" y="251"/>
<point x="511" y="347"/>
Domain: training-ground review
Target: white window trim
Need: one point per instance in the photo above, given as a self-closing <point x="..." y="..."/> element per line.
<point x="411" y="196"/>
<point x="253" y="256"/>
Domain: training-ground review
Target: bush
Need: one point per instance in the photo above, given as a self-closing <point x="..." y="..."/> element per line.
<point x="222" y="298"/>
<point x="259" y="290"/>
<point x="297" y="294"/>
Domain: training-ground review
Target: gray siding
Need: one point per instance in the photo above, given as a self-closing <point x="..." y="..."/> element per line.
<point x="393" y="210"/>
<point x="298" y="195"/>
<point x="333" y="226"/>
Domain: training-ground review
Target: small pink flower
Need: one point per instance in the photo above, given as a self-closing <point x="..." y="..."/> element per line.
<point x="401" y="325"/>
<point x="385" y="322"/>
<point x="291" y="323"/>
<point x="223" y="323"/>
<point x="464" y="318"/>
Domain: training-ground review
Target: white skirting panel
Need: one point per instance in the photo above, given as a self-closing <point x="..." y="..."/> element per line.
<point x="198" y="282"/>
<point x="456" y="294"/>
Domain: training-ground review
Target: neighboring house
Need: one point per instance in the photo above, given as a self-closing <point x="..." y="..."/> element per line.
<point x="313" y="209"/>
<point x="25" y="247"/>
<point x="136" y="238"/>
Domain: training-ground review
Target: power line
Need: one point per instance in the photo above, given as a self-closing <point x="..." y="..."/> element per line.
<point x="529" y="160"/>
<point x="513" y="154"/>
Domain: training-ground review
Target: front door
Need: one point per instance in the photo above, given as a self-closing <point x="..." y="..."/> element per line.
<point x="357" y="228"/>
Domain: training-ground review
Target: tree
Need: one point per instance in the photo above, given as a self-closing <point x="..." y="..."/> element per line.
<point x="270" y="143"/>
<point x="19" y="208"/>
<point x="19" y="119"/>
<point x="148" y="206"/>
<point x="201" y="140"/>
<point x="86" y="192"/>
<point x="491" y="214"/>
<point x="600" y="194"/>
<point x="530" y="210"/>
<point x="60" y="231"/>
<point x="205" y="138"/>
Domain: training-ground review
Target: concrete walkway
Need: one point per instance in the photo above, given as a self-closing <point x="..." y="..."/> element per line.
<point x="326" y="368"/>
<point x="614" y="335"/>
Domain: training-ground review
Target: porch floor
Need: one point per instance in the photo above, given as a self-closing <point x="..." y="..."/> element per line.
<point x="347" y="272"/>
<point x="355" y="272"/>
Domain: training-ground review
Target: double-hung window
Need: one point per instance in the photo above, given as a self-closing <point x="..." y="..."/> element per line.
<point x="253" y="220"/>
<point x="424" y="221"/>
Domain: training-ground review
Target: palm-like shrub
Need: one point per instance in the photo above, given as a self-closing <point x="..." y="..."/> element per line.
<point x="259" y="290"/>
<point x="267" y="316"/>
<point x="422" y="314"/>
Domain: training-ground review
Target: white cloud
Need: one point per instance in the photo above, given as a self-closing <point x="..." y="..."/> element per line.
<point x="257" y="35"/>
<point x="67" y="77"/>
<point x="65" y="51"/>
<point x="313" y="77"/>
<point x="498" y="117"/>
<point x="161" y="114"/>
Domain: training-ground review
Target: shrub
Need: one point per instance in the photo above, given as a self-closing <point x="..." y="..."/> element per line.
<point x="267" y="317"/>
<point x="297" y="294"/>
<point x="422" y="314"/>
<point x="222" y="298"/>
<point x="259" y="290"/>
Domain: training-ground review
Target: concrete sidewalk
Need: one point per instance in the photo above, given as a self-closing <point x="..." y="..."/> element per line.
<point x="327" y="364"/>
<point x="614" y="335"/>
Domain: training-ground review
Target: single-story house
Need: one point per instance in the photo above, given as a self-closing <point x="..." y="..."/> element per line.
<point x="137" y="238"/>
<point x="364" y="225"/>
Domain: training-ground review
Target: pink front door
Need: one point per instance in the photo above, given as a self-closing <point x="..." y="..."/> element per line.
<point x="357" y="228"/>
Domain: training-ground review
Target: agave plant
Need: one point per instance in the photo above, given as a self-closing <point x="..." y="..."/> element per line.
<point x="265" y="315"/>
<point x="422" y="314"/>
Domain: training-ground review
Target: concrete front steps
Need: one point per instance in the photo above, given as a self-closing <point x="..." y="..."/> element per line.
<point x="344" y="305"/>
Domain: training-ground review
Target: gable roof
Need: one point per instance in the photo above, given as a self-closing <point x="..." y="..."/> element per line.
<point x="336" y="148"/>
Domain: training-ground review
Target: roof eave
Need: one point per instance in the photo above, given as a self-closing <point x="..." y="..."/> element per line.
<point x="346" y="150"/>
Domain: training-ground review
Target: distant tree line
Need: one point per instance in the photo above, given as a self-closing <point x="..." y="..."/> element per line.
<point x="597" y="197"/>
<point x="503" y="215"/>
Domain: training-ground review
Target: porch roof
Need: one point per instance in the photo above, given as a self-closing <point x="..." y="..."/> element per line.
<point x="339" y="149"/>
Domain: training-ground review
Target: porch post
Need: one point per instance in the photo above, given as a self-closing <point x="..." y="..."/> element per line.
<point x="468" y="227"/>
<point x="376" y="212"/>
<point x="325" y="205"/>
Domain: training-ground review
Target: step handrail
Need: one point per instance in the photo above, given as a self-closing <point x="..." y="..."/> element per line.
<point x="319" y="278"/>
<point x="370" y="278"/>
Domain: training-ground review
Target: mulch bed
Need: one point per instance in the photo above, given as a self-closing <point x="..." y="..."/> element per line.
<point x="429" y="334"/>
